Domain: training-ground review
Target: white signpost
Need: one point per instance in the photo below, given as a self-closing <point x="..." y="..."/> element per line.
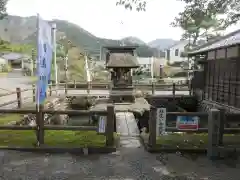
<point x="102" y="124"/>
<point x="161" y="121"/>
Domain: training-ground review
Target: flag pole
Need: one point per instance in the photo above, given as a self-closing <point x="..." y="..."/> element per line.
<point x="54" y="28"/>
<point x="37" y="63"/>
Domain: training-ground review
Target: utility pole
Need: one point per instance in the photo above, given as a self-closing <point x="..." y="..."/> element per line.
<point x="100" y="52"/>
<point x="189" y="64"/>
<point x="66" y="67"/>
<point x="88" y="74"/>
<point x="33" y="62"/>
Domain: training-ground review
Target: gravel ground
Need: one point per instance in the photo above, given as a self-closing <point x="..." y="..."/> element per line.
<point x="128" y="164"/>
<point x="125" y="164"/>
<point x="200" y="168"/>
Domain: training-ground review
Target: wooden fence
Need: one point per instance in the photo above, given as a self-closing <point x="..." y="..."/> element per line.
<point x="97" y="86"/>
<point x="217" y="126"/>
<point x="19" y="99"/>
<point x="105" y="86"/>
<point x="19" y="96"/>
<point x="40" y="127"/>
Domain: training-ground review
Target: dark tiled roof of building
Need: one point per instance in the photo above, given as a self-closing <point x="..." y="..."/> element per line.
<point x="122" y="60"/>
<point x="225" y="41"/>
<point x="13" y="56"/>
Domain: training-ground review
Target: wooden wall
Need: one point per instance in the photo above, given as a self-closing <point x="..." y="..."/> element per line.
<point x="222" y="76"/>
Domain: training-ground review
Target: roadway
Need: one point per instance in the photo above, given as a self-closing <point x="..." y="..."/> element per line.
<point x="106" y="92"/>
<point x="12" y="97"/>
<point x="16" y="79"/>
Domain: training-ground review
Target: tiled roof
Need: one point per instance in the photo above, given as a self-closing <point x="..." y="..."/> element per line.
<point x="226" y="41"/>
<point x="13" y="56"/>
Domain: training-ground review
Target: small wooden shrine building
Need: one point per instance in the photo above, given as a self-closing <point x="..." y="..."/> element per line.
<point x="219" y="80"/>
<point x="120" y="60"/>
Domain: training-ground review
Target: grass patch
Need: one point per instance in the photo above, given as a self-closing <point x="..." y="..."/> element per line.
<point x="33" y="78"/>
<point x="193" y="140"/>
<point x="8" y="118"/>
<point x="52" y="138"/>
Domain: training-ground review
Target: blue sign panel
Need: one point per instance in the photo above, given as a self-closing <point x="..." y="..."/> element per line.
<point x="187" y="122"/>
<point x="44" y="62"/>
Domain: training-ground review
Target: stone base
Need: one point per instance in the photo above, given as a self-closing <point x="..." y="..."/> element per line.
<point x="122" y="94"/>
<point x="114" y="98"/>
<point x="123" y="88"/>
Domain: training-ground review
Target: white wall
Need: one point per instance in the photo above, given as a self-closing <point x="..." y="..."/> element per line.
<point x="3" y="61"/>
<point x="178" y="58"/>
<point x="145" y="62"/>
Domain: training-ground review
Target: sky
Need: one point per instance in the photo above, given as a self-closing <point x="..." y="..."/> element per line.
<point x="104" y="19"/>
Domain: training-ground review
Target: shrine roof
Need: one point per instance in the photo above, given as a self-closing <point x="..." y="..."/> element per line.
<point x="122" y="60"/>
<point x="222" y="42"/>
<point x="113" y="48"/>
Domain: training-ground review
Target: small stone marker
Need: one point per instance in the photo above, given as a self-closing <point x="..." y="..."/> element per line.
<point x="161" y="121"/>
<point x="213" y="133"/>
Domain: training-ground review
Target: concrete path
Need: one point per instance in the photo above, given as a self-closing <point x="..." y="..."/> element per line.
<point x="127" y="130"/>
<point x="106" y="92"/>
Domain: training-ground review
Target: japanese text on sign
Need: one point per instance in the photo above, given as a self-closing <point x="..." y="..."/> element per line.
<point x="161" y="121"/>
<point x="44" y="58"/>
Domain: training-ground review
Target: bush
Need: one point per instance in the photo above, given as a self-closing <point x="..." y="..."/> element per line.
<point x="5" y="68"/>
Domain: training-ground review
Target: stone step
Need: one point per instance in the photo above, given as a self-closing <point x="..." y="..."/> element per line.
<point x="130" y="142"/>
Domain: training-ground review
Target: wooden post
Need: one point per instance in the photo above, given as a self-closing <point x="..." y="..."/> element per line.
<point x="89" y="87"/>
<point x="34" y="92"/>
<point x="19" y="98"/>
<point x="40" y="125"/>
<point x="50" y="89"/>
<point x="110" y="126"/>
<point x="153" y="89"/>
<point x="152" y="127"/>
<point x="213" y="133"/>
<point x="174" y="89"/>
<point x="65" y="89"/>
<point x="75" y="85"/>
<point x="221" y="125"/>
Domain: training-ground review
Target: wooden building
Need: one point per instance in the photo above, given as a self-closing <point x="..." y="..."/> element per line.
<point x="219" y="81"/>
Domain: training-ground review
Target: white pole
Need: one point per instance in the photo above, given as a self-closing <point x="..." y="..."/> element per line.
<point x="66" y="67"/>
<point x="87" y="69"/>
<point x="88" y="74"/>
<point x="54" y="28"/>
<point x="152" y="75"/>
<point x="32" y="63"/>
<point x="100" y="52"/>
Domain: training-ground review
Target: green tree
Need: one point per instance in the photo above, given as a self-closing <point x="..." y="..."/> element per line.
<point x="139" y="5"/>
<point x="200" y="18"/>
<point x="3" y="9"/>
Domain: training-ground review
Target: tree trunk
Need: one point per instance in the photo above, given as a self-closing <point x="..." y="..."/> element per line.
<point x="195" y="38"/>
